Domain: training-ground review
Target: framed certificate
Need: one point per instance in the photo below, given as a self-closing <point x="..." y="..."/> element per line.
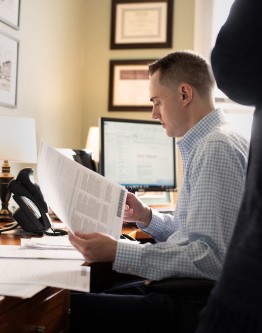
<point x="129" y="85"/>
<point x="141" y="24"/>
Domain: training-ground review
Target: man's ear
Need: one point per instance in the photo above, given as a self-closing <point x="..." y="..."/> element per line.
<point x="185" y="93"/>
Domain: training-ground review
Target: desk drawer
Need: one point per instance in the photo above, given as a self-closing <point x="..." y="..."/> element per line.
<point x="46" y="312"/>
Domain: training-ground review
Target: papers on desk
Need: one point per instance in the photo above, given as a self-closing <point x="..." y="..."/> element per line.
<point x="24" y="278"/>
<point x="83" y="200"/>
<point x="16" y="251"/>
<point x="24" y="270"/>
<point x="23" y="273"/>
<point x="20" y="290"/>
<point x="46" y="247"/>
<point x="48" y="242"/>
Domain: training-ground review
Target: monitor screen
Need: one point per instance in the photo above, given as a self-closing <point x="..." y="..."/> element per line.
<point x="137" y="154"/>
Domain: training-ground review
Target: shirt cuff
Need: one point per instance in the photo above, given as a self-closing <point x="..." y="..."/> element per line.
<point x="154" y="224"/>
<point x="124" y="262"/>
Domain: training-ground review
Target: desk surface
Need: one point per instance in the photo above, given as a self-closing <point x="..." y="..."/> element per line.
<point x="6" y="239"/>
<point x="47" y="311"/>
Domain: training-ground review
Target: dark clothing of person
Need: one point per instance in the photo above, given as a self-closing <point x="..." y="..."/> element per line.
<point x="236" y="56"/>
<point x="127" y="306"/>
<point x="234" y="305"/>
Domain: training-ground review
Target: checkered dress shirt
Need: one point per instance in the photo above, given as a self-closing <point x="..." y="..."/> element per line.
<point x="193" y="242"/>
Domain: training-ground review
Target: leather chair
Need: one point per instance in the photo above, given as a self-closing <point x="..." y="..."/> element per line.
<point x="189" y="294"/>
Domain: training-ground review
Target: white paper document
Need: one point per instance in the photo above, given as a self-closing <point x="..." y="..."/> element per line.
<point x="47" y="242"/>
<point x="20" y="290"/>
<point x="84" y="200"/>
<point x="67" y="274"/>
<point x="17" y="251"/>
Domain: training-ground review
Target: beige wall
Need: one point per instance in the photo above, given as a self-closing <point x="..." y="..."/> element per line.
<point x="98" y="54"/>
<point x="63" y="65"/>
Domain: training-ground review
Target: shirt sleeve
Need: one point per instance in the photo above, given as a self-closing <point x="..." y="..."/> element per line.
<point x="161" y="226"/>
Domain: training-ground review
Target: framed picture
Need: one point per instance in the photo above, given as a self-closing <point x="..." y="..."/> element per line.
<point x="137" y="24"/>
<point x="129" y="85"/>
<point x="8" y="70"/>
<point x="9" y="12"/>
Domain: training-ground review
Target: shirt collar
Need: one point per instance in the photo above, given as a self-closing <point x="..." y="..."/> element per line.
<point x="204" y="126"/>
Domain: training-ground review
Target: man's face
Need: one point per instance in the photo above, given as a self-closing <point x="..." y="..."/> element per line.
<point x="167" y="106"/>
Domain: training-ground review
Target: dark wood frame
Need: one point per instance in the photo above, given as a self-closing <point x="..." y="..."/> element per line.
<point x="143" y="45"/>
<point x="112" y="106"/>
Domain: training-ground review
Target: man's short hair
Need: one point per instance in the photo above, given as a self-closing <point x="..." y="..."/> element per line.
<point x="185" y="66"/>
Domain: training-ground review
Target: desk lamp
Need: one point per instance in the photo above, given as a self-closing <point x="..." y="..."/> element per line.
<point x="92" y="143"/>
<point x="18" y="144"/>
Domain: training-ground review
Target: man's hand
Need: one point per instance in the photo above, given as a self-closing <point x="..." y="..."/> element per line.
<point x="136" y="210"/>
<point x="95" y="247"/>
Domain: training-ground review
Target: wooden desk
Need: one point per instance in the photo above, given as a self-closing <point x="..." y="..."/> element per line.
<point x="46" y="312"/>
<point x="136" y="233"/>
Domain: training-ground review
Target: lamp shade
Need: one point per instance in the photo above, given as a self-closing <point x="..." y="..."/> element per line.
<point x="18" y="139"/>
<point x="92" y="142"/>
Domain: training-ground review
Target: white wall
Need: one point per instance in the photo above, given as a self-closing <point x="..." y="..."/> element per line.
<point x="49" y="69"/>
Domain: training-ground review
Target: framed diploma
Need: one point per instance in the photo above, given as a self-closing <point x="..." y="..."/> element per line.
<point x="129" y="85"/>
<point x="137" y="24"/>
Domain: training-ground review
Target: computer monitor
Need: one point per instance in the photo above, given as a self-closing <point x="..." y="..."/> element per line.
<point x="137" y="154"/>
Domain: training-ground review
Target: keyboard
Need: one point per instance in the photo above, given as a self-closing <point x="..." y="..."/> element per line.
<point x="167" y="210"/>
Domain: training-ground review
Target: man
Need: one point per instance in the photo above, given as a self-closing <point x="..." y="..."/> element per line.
<point x="235" y="302"/>
<point x="193" y="242"/>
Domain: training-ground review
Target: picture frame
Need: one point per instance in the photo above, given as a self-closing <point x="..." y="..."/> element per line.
<point x="129" y="85"/>
<point x="10" y="12"/>
<point x="137" y="24"/>
<point x="8" y="70"/>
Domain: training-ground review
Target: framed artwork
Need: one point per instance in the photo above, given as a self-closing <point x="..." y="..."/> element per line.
<point x="137" y="24"/>
<point x="8" y="70"/>
<point x="129" y="85"/>
<point x="9" y="12"/>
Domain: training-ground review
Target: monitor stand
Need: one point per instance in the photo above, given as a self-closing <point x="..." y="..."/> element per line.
<point x="157" y="199"/>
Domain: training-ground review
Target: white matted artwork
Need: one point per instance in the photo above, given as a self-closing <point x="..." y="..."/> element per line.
<point x="9" y="12"/>
<point x="8" y="70"/>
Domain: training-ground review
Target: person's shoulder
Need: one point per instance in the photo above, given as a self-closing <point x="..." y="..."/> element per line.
<point x="236" y="56"/>
<point x="227" y="135"/>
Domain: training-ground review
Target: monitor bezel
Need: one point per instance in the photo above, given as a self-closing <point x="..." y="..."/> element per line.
<point x="154" y="188"/>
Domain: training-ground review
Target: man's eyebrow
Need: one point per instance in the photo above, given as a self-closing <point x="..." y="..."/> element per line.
<point x="152" y="99"/>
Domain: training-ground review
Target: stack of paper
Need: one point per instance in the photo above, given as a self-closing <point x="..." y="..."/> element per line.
<point x="24" y="278"/>
<point x="48" y="242"/>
